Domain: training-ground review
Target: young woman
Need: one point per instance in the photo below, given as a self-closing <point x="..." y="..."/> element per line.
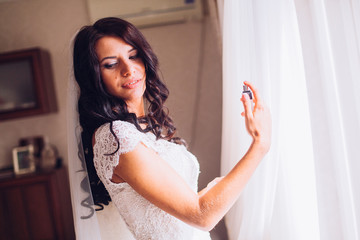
<point x="143" y="168"/>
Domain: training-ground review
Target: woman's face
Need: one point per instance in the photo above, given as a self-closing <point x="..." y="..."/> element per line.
<point x="122" y="70"/>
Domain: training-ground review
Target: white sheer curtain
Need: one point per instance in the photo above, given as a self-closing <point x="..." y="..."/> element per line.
<point x="304" y="57"/>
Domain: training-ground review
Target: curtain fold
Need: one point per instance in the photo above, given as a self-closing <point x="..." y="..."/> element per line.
<point x="330" y="43"/>
<point x="304" y="58"/>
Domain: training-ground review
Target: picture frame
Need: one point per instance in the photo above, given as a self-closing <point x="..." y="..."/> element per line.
<point x="23" y="159"/>
<point x="26" y="84"/>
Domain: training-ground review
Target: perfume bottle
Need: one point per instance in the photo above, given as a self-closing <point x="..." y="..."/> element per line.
<point x="48" y="156"/>
<point x="247" y="91"/>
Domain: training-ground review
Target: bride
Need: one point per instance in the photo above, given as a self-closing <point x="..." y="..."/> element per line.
<point x="133" y="156"/>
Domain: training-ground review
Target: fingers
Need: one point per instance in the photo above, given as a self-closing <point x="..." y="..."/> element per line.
<point x="247" y="106"/>
<point x="257" y="98"/>
<point x="258" y="119"/>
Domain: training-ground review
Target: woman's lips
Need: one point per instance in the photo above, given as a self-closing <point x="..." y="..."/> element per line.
<point x="131" y="84"/>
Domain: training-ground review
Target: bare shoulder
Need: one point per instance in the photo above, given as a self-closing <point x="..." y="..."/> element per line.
<point x="131" y="162"/>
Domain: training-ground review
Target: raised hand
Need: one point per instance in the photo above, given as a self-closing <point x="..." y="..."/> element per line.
<point x="258" y="119"/>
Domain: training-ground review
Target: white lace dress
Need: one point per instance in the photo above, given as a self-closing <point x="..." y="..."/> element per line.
<point x="144" y="220"/>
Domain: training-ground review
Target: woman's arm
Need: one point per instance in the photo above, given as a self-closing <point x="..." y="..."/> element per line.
<point x="156" y="181"/>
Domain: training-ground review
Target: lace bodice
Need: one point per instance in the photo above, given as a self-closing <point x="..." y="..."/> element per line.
<point x="144" y="220"/>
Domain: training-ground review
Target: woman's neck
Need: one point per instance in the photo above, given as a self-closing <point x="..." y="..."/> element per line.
<point x="136" y="107"/>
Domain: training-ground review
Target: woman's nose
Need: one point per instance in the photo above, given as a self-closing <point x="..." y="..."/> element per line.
<point x="126" y="70"/>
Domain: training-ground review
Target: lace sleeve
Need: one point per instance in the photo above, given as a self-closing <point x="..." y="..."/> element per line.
<point x="127" y="134"/>
<point x="105" y="156"/>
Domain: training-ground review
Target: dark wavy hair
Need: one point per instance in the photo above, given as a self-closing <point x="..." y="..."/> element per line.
<point x="97" y="107"/>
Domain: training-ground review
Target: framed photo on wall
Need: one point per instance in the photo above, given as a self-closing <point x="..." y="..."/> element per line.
<point x="23" y="159"/>
<point x="26" y="84"/>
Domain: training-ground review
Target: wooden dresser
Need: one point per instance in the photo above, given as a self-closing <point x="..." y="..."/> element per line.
<point x="36" y="206"/>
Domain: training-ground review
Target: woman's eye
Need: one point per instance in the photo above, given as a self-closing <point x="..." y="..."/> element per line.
<point x="134" y="56"/>
<point x="110" y="65"/>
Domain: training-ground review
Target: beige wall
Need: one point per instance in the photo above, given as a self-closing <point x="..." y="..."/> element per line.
<point x="191" y="66"/>
<point x="50" y="25"/>
<point x="189" y="59"/>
